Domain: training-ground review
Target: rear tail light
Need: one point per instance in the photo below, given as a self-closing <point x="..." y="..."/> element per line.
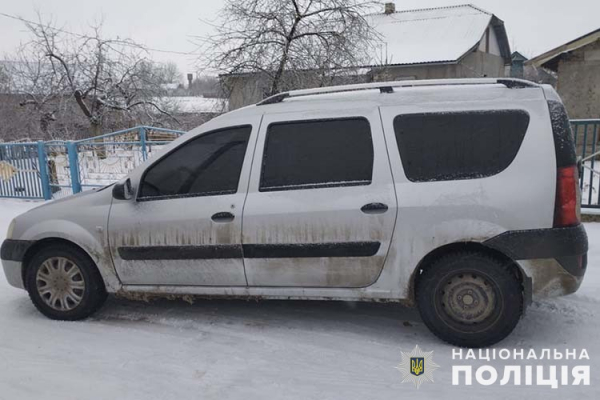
<point x="566" y="206"/>
<point x="567" y="202"/>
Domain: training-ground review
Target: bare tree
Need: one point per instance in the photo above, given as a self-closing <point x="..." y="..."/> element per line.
<point x="101" y="75"/>
<point x="4" y="80"/>
<point x="289" y="40"/>
<point x="32" y="79"/>
<point x="168" y="73"/>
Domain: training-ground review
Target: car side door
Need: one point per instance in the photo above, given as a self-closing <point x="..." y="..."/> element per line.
<point x="321" y="204"/>
<point x="184" y="226"/>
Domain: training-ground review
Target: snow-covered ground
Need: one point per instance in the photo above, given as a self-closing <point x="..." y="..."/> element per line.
<point x="265" y="350"/>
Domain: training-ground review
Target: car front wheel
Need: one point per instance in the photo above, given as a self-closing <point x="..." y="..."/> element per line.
<point x="64" y="283"/>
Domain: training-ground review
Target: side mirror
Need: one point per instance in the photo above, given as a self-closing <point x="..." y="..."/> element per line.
<point x="122" y="190"/>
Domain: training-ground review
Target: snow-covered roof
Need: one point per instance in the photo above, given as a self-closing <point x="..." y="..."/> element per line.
<point x="170" y="86"/>
<point x="434" y="35"/>
<point x="195" y="104"/>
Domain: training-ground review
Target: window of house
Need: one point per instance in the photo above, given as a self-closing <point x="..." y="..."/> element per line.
<point x="459" y="145"/>
<point x="319" y="153"/>
<point x="210" y="164"/>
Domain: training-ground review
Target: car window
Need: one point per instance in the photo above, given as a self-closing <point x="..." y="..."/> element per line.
<point x="459" y="145"/>
<point x="319" y="153"/>
<point x="210" y="164"/>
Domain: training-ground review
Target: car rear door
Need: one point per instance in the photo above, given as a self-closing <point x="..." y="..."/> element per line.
<point x="321" y="205"/>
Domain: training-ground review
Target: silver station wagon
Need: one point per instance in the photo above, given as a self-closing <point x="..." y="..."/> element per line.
<point x="457" y="196"/>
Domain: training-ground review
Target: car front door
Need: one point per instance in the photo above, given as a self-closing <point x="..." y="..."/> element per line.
<point x="321" y="204"/>
<point x="184" y="226"/>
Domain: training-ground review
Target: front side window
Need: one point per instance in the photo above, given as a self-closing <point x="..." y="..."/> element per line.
<point x="210" y="164"/>
<point x="315" y="154"/>
<point x="459" y="145"/>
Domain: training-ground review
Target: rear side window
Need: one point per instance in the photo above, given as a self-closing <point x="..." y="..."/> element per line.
<point x="209" y="165"/>
<point x="459" y="145"/>
<point x="314" y="154"/>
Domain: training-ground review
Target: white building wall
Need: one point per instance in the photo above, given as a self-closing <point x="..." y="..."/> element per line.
<point x="494" y="45"/>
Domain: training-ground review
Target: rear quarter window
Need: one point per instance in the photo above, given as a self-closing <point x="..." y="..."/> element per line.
<point x="459" y="145"/>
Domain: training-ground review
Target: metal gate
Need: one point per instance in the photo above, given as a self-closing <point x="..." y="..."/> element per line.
<point x="57" y="168"/>
<point x="20" y="174"/>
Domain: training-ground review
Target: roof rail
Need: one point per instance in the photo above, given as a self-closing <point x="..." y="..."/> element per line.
<point x="388" y="87"/>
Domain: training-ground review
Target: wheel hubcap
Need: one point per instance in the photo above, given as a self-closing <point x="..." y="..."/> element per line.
<point x="60" y="283"/>
<point x="468" y="298"/>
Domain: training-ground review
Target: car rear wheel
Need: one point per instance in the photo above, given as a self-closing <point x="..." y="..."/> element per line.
<point x="470" y="299"/>
<point x="64" y="283"/>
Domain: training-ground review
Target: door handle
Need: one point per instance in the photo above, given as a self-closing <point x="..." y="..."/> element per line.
<point x="223" y="217"/>
<point x="374" y="208"/>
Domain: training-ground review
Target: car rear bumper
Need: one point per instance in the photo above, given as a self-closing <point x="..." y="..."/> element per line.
<point x="554" y="259"/>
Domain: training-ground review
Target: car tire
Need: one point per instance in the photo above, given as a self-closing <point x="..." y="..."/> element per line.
<point x="64" y="283"/>
<point x="470" y="299"/>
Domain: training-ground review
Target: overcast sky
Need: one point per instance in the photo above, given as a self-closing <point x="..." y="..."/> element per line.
<point x="533" y="26"/>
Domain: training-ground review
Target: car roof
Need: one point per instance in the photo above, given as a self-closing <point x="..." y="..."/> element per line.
<point x="396" y="93"/>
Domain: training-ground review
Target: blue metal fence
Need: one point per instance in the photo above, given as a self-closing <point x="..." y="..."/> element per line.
<point x="46" y="170"/>
<point x="20" y="171"/>
<point x="585" y="133"/>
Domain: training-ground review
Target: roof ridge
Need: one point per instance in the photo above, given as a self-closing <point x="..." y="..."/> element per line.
<point x="422" y="19"/>
<point x="441" y="8"/>
<point x="558" y="50"/>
